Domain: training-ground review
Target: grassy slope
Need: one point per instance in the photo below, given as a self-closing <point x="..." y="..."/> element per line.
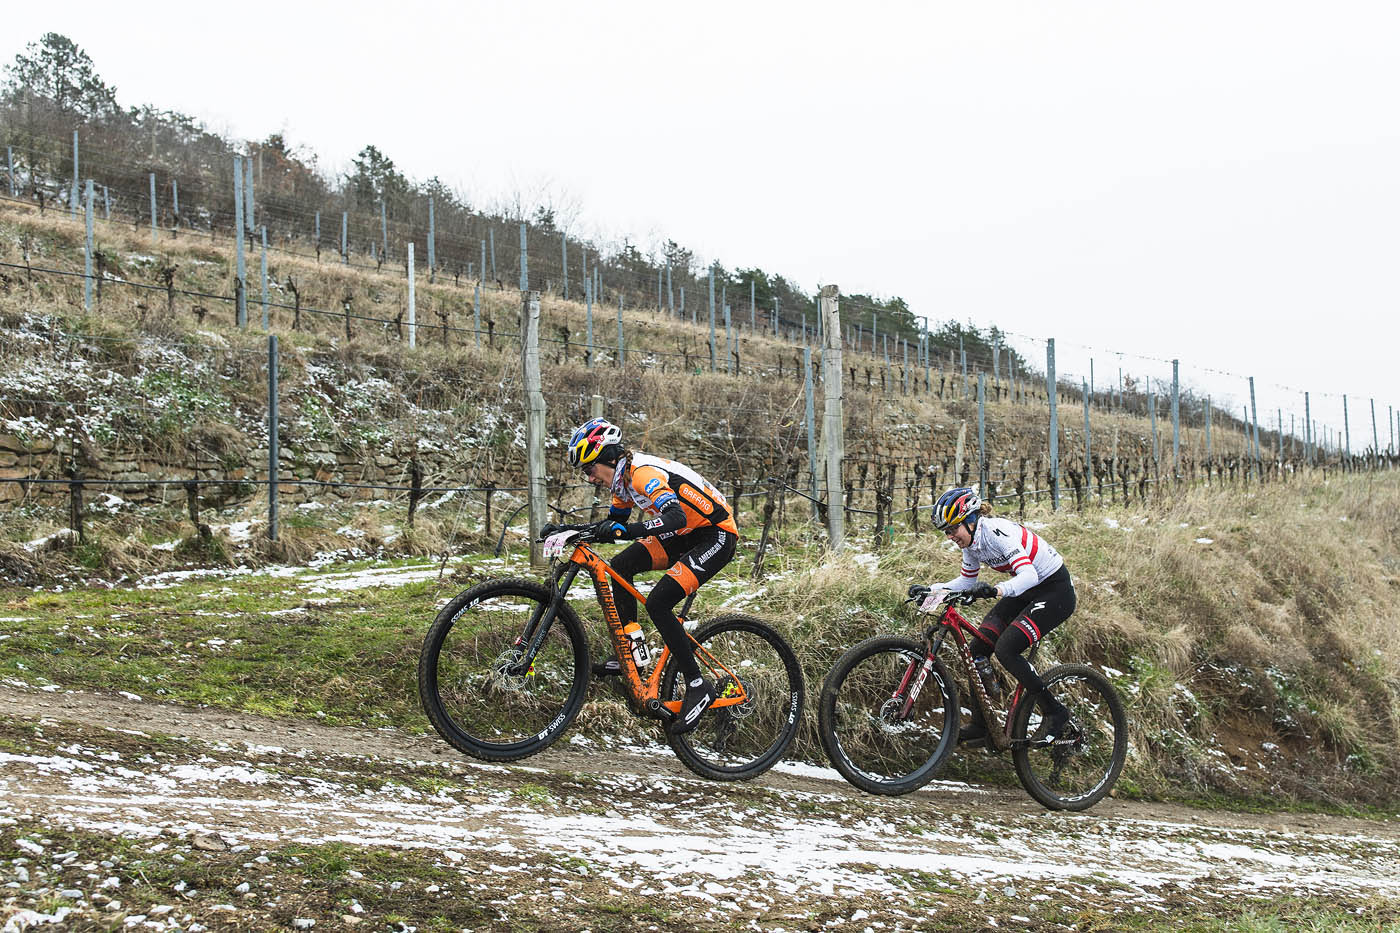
<point x="1261" y="665"/>
<point x="1278" y="632"/>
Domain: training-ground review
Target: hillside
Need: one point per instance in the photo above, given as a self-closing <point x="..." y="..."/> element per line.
<point x="1254" y="639"/>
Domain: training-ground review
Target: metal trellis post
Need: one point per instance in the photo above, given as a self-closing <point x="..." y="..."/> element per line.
<point x="412" y="299"/>
<point x="1176" y="422"/>
<point x="1054" y="425"/>
<point x="73" y="195"/>
<point x="272" y="436"/>
<point x="982" y="432"/>
<point x="264" y="277"/>
<point x="811" y="410"/>
<point x="241" y="280"/>
<point x="87" y="248"/>
<point x="712" y="319"/>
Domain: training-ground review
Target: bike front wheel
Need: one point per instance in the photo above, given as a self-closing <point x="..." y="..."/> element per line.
<point x="744" y="656"/>
<point x="1077" y="770"/>
<point x="882" y="736"/>
<point x="473" y="681"/>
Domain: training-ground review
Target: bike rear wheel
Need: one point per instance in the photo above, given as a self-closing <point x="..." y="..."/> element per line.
<point x="470" y="681"/>
<point x="869" y="735"/>
<point x="739" y="742"/>
<point x="1076" y="772"/>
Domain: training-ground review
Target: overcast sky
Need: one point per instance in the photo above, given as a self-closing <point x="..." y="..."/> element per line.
<point x="1211" y="181"/>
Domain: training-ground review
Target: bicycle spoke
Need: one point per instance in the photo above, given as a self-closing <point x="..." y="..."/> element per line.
<point x="1080" y="766"/>
<point x="743" y="657"/>
<point x="880" y="735"/>
<point x="485" y="696"/>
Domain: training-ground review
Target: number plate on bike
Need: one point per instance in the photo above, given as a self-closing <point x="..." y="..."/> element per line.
<point x="556" y="544"/>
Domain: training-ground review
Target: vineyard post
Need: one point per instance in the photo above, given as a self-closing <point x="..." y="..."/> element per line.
<point x="175" y="204"/>
<point x="264" y="275"/>
<point x="1054" y="425"/>
<point x="1375" y="438"/>
<point x="1176" y="421"/>
<point x="534" y="421"/>
<point x="982" y="432"/>
<point x="712" y="318"/>
<point x="524" y="261"/>
<point x="1088" y="458"/>
<point x="272" y="436"/>
<point x="832" y="429"/>
<point x="383" y="230"/>
<point x="73" y="198"/>
<point x="588" y="304"/>
<point x="248" y="194"/>
<point x="432" y="244"/>
<point x="1254" y="419"/>
<point x="87" y="250"/>
<point x="240" y="280"/>
<point x="412" y="300"/>
<point x="345" y="238"/>
<point x="811" y="411"/>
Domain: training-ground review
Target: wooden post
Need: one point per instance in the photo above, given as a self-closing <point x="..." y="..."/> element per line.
<point x="415" y="491"/>
<point x="534" y="420"/>
<point x="833" y="426"/>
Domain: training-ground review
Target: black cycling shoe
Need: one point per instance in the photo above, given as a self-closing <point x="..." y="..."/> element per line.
<point x="1055" y="724"/>
<point x="612" y="667"/>
<point x="973" y="736"/>
<point x="698" y="697"/>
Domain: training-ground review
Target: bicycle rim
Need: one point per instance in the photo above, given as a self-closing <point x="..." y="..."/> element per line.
<point x="869" y="735"/>
<point x="478" y="694"/>
<point x="1074" y="774"/>
<point x="739" y="742"/>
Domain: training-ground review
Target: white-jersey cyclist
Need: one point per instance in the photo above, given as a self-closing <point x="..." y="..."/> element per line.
<point x="1038" y="597"/>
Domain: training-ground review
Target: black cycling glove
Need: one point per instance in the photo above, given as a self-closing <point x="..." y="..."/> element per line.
<point x="609" y="530"/>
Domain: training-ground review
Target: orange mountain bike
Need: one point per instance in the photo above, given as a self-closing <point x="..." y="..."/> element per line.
<point x="889" y="712"/>
<point x="505" y="667"/>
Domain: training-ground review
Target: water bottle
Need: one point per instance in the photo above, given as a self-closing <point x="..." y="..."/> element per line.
<point x="989" y="678"/>
<point x="638" y="643"/>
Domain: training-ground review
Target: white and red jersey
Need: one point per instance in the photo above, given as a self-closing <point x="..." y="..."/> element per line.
<point x="1003" y="545"/>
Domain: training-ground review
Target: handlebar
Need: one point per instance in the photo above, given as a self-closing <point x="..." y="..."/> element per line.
<point x="553" y="528"/>
<point x="918" y="592"/>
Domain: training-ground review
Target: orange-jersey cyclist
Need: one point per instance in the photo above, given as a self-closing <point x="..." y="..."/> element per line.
<point x="687" y="529"/>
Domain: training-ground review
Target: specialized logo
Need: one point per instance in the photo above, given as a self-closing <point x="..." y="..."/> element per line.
<point x="1035" y="606"/>
<point x="694" y="497"/>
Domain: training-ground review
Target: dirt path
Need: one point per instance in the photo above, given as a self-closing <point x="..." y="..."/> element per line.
<point x="637" y="828"/>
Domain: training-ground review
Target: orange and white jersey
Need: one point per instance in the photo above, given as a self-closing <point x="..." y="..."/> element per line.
<point x="654" y="483"/>
<point x="1003" y="545"/>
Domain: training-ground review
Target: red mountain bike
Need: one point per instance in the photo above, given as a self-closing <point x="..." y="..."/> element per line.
<point x="505" y="667"/>
<point x="889" y="712"/>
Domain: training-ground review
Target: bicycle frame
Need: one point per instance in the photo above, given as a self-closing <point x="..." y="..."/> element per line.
<point x="645" y="693"/>
<point x="950" y="621"/>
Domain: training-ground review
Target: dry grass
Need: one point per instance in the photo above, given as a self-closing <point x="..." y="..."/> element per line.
<point x="1281" y="630"/>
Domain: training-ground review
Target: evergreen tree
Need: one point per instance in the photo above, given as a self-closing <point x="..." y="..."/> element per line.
<point x="57" y="71"/>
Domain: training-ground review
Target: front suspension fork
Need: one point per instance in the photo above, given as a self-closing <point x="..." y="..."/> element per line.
<point x="537" y="629"/>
